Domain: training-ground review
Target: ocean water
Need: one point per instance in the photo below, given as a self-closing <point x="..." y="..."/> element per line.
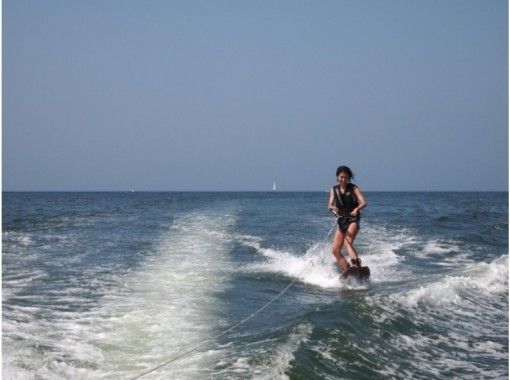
<point x="111" y="285"/>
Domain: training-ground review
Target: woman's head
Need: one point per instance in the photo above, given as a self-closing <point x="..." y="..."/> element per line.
<point x="344" y="174"/>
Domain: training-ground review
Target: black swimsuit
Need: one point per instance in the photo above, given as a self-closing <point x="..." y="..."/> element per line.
<point x="345" y="203"/>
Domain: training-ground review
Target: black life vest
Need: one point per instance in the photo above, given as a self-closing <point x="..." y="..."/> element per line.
<point x="347" y="201"/>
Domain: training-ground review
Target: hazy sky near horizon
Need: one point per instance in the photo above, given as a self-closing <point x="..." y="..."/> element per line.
<point x="233" y="95"/>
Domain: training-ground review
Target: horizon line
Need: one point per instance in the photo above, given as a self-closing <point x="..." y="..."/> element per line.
<point x="245" y="191"/>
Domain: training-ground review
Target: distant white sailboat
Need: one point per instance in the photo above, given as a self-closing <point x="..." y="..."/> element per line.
<point x="274" y="186"/>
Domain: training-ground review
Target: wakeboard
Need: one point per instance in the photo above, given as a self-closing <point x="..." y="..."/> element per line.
<point x="360" y="273"/>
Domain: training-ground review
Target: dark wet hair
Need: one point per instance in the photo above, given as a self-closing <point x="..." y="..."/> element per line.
<point x="346" y="170"/>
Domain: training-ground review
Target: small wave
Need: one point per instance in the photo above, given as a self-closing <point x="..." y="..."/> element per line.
<point x="441" y="247"/>
<point x="17" y="238"/>
<point x="442" y="252"/>
<point x="443" y="219"/>
<point x="448" y="354"/>
<point x="448" y="325"/>
<point x="268" y="358"/>
<point x="480" y="277"/>
<point x="15" y="284"/>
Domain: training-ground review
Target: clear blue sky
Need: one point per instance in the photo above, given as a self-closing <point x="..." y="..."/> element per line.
<point x="233" y="95"/>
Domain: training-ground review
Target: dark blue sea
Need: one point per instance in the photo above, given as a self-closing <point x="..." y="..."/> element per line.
<point x="111" y="285"/>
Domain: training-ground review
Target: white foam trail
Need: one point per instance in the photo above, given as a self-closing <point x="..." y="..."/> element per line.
<point x="165" y="306"/>
<point x="317" y="266"/>
<point x="378" y="247"/>
<point x="18" y="253"/>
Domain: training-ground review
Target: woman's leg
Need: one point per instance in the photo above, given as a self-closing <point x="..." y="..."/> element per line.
<point x="338" y="242"/>
<point x="350" y="235"/>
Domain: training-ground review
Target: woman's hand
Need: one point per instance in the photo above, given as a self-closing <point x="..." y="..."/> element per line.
<point x="354" y="212"/>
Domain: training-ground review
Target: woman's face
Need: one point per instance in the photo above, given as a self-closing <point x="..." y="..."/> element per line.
<point x="343" y="178"/>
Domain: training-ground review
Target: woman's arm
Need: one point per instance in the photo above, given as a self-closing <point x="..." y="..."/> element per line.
<point x="362" y="203"/>
<point x="331" y="203"/>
